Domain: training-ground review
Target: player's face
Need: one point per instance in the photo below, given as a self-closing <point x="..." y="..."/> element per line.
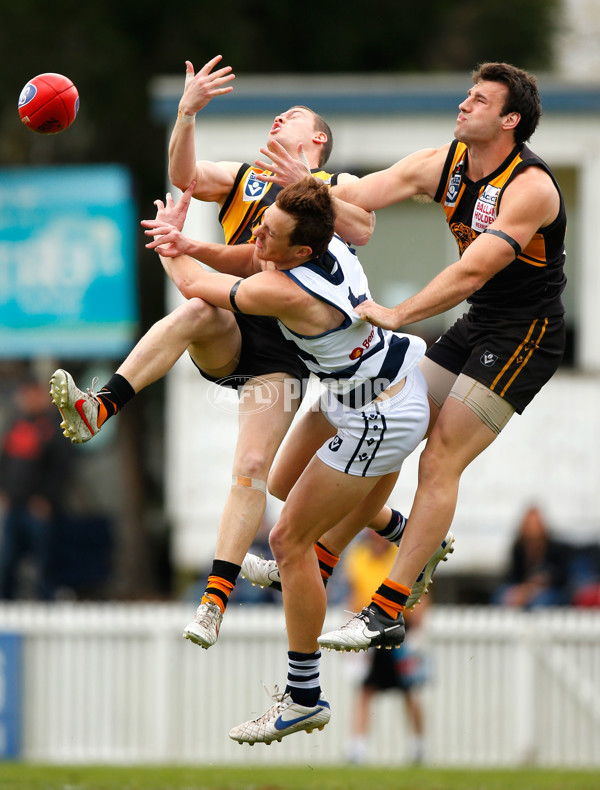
<point x="296" y="125"/>
<point x="480" y="114"/>
<point x="273" y="238"/>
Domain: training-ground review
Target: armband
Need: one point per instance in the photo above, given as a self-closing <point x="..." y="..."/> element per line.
<point x="509" y="239"/>
<point x="232" y="294"/>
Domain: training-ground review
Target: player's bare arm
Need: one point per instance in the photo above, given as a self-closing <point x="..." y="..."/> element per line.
<point x="530" y="202"/>
<point x="265" y="293"/>
<point x="239" y="260"/>
<point x="169" y="241"/>
<point x="213" y="180"/>
<point x="353" y="224"/>
<point x="416" y="174"/>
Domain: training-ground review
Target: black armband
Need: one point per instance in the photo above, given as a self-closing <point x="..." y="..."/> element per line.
<point x="502" y="235"/>
<point x="232" y="294"/>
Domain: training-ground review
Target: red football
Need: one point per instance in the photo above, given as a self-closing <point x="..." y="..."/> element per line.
<point x="48" y="103"/>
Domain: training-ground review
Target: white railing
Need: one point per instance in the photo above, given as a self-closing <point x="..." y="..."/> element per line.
<point x="117" y="683"/>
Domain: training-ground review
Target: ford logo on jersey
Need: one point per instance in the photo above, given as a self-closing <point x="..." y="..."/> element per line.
<point x="253" y="188"/>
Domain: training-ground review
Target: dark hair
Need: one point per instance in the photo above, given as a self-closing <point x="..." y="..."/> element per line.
<point x="321" y="125"/>
<point x="523" y="95"/>
<point x="309" y="202"/>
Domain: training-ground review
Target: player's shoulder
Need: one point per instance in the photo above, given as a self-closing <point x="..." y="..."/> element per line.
<point x="346" y="178"/>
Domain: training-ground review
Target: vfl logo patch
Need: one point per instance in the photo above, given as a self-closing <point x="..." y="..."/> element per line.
<point x="335" y="444"/>
<point x="253" y="188"/>
<point x="453" y="186"/>
<point x="488" y="359"/>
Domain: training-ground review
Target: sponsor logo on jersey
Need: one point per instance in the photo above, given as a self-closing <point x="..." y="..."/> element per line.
<point x="488" y="359"/>
<point x="253" y="188"/>
<point x="484" y="212"/>
<point x="359" y="351"/>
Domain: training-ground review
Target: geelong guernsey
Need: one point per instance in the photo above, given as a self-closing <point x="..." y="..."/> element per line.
<point x="356" y="360"/>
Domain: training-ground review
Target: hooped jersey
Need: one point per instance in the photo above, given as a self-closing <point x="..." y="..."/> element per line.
<point x="248" y="200"/>
<point x="355" y="353"/>
<point x="532" y="284"/>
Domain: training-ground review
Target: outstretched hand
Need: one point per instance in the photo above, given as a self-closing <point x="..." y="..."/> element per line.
<point x="200" y="88"/>
<point x="166" y="228"/>
<point x="287" y="169"/>
<point x="374" y="313"/>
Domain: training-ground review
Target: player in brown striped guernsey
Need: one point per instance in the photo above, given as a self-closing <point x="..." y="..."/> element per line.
<point x="507" y="214"/>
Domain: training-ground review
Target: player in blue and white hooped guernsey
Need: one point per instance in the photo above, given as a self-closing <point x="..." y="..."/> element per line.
<point x="342" y="459"/>
<point x="357" y="362"/>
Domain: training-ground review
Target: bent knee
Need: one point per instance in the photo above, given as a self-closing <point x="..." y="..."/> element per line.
<point x="254" y="463"/>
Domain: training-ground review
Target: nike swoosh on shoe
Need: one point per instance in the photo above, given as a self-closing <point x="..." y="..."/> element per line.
<point x="79" y="407"/>
<point x="281" y="723"/>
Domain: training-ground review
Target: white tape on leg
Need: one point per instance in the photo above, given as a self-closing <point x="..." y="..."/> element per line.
<point x="249" y="482"/>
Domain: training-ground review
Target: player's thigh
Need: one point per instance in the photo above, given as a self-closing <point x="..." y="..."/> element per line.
<point x="216" y="349"/>
<point x="457" y="438"/>
<point x="308" y="434"/>
<point x="321" y="497"/>
<point x="265" y="413"/>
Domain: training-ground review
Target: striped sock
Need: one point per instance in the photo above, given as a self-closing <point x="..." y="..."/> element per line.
<point x="390" y="598"/>
<point x="327" y="561"/>
<point x="395" y="528"/>
<point x="221" y="582"/>
<point x="303" y="677"/>
<point x="113" y="396"/>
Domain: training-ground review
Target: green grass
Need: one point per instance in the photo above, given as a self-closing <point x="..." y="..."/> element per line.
<point x="17" y="776"/>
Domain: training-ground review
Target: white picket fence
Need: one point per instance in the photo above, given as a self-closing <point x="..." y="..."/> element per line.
<point x="116" y="683"/>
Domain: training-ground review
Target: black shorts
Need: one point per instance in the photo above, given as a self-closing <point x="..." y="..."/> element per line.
<point x="513" y="357"/>
<point x="399" y="668"/>
<point x="264" y="350"/>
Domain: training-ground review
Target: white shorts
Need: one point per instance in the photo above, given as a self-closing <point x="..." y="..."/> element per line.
<point x="374" y="441"/>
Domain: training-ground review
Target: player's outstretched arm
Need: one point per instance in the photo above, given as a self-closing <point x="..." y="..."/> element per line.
<point x="169" y="241"/>
<point x="353" y="224"/>
<point x="416" y="174"/>
<point x="213" y="181"/>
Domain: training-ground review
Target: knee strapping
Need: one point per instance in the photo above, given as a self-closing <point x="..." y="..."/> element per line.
<point x="249" y="482"/>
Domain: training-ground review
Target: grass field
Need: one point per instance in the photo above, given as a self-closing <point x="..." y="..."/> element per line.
<point x="16" y="776"/>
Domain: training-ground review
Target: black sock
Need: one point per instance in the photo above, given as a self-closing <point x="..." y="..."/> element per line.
<point x="115" y="394"/>
<point x="227" y="570"/>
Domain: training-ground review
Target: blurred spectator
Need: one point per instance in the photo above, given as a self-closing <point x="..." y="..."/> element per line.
<point x="586" y="576"/>
<point x="403" y="669"/>
<point x="538" y="573"/>
<point x="33" y="469"/>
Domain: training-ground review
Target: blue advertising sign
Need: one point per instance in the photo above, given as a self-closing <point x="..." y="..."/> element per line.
<point x="67" y="261"/>
<point x="10" y="695"/>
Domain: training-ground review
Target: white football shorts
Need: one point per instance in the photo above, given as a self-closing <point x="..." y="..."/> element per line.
<point x="375" y="440"/>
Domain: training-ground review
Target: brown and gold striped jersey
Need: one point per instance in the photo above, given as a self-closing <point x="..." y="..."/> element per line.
<point x="249" y="198"/>
<point x="533" y="282"/>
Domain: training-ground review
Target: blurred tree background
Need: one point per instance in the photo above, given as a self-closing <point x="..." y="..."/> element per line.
<point x="111" y="49"/>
